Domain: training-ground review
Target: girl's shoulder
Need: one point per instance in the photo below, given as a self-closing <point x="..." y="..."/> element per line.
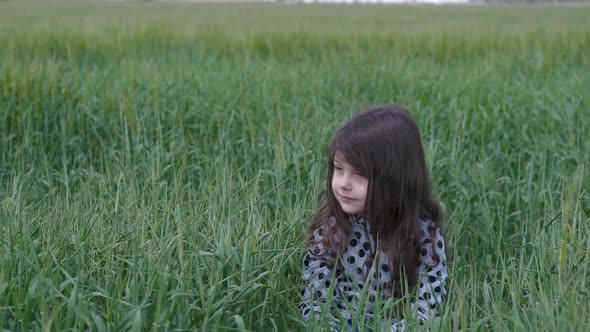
<point x="429" y="229"/>
<point x="432" y="243"/>
<point x="322" y="229"/>
<point x="325" y="237"/>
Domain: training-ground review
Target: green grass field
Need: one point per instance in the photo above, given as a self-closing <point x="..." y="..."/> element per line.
<point x="160" y="163"/>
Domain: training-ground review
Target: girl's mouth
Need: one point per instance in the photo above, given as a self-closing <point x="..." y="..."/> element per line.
<point x="346" y="199"/>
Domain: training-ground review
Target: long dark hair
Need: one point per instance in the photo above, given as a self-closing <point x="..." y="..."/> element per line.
<point x="383" y="143"/>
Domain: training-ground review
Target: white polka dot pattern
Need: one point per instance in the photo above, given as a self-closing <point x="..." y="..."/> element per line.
<point x="345" y="280"/>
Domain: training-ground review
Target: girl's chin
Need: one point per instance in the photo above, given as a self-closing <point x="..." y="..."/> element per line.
<point x="350" y="209"/>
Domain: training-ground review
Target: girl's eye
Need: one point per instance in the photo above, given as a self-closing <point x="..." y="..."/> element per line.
<point x="360" y="174"/>
<point x="338" y="167"/>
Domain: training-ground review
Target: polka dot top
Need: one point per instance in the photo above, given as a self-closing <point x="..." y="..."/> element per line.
<point x="351" y="276"/>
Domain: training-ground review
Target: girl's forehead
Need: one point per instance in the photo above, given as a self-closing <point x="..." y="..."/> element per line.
<point x="339" y="157"/>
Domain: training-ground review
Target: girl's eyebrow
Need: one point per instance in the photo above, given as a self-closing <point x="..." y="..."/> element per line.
<point x="339" y="160"/>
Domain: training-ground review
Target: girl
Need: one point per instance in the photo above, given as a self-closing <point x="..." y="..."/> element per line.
<point x="377" y="234"/>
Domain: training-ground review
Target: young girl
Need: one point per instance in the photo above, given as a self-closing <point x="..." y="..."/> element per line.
<point x="377" y="232"/>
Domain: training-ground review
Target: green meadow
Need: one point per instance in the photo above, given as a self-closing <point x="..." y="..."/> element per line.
<point x="159" y="163"/>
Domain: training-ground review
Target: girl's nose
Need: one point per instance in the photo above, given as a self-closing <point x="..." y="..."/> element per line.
<point x="345" y="182"/>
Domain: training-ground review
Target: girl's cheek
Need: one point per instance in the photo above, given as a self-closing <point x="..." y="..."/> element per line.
<point x="335" y="178"/>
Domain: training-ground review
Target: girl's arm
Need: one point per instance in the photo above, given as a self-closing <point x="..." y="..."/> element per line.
<point x="319" y="272"/>
<point x="430" y="295"/>
<point x="432" y="281"/>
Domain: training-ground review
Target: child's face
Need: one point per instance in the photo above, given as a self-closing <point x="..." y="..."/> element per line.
<point x="349" y="186"/>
